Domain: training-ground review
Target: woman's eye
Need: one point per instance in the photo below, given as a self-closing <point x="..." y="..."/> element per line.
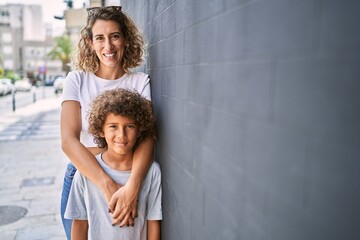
<point x="115" y="36"/>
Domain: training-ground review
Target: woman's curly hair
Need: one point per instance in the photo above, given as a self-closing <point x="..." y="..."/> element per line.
<point x="85" y="58"/>
<point x="125" y="103"/>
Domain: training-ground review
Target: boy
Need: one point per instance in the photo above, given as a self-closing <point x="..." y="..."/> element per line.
<point x="119" y="120"/>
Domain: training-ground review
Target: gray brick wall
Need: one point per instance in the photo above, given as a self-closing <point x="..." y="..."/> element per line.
<point x="258" y="108"/>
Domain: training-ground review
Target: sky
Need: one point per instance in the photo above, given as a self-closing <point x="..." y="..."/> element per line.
<point x="50" y="8"/>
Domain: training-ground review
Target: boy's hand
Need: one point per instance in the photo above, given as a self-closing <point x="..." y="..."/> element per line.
<point x="123" y="205"/>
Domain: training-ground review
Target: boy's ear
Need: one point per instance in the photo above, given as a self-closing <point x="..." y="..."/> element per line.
<point x="139" y="133"/>
<point x="102" y="134"/>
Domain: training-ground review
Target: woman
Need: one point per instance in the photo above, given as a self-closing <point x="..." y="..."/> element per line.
<point x="110" y="44"/>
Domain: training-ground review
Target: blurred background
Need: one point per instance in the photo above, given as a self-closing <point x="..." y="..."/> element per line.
<point x="36" y="38"/>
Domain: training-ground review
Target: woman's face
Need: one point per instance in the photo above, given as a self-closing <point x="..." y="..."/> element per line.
<point x="108" y="43"/>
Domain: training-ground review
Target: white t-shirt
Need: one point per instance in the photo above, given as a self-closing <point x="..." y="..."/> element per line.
<point x="86" y="202"/>
<point x="85" y="86"/>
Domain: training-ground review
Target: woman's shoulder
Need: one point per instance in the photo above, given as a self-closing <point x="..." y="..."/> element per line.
<point x="77" y="74"/>
<point x="77" y="78"/>
<point x="138" y="75"/>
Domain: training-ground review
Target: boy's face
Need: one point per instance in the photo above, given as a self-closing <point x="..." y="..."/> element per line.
<point x="120" y="134"/>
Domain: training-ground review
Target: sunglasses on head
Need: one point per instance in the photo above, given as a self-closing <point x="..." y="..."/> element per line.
<point x="91" y="11"/>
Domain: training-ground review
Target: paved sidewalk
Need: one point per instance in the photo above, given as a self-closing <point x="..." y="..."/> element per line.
<point x="31" y="167"/>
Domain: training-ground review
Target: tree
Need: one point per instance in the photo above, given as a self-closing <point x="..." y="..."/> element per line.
<point x="12" y="75"/>
<point x="62" y="51"/>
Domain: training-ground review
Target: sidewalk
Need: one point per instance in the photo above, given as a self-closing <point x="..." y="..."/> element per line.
<point x="32" y="169"/>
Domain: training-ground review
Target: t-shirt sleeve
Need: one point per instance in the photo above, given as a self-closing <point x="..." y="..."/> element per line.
<point x="71" y="87"/>
<point x="76" y="208"/>
<point x="154" y="205"/>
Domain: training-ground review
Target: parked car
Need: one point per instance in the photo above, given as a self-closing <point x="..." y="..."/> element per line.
<point x="50" y="81"/>
<point x="3" y="89"/>
<point x="23" y="85"/>
<point x="58" y="85"/>
<point x="9" y="87"/>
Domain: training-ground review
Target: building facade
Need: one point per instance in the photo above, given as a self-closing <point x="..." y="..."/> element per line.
<point x="11" y="37"/>
<point x="25" y="42"/>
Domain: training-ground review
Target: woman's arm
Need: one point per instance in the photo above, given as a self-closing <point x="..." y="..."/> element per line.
<point x="123" y="204"/>
<point x="153" y="230"/>
<point x="79" y="230"/>
<point x="80" y="156"/>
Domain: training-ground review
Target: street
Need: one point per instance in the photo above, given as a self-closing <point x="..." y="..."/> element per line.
<point x="23" y="99"/>
<point x="23" y="123"/>
<point x="31" y="166"/>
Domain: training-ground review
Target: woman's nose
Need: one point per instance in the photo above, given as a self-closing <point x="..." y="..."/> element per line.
<point x="108" y="44"/>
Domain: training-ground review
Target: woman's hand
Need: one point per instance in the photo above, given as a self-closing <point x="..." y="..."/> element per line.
<point x="110" y="187"/>
<point x="123" y="204"/>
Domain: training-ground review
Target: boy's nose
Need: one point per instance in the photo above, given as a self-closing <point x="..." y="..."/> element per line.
<point x="121" y="133"/>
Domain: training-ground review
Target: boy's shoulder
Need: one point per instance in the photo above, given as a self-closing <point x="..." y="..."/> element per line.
<point x="155" y="170"/>
<point x="155" y="166"/>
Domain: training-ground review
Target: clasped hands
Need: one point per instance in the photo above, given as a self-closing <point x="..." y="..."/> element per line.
<point x="123" y="205"/>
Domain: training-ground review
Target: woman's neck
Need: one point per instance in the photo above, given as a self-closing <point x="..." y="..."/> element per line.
<point x="110" y="74"/>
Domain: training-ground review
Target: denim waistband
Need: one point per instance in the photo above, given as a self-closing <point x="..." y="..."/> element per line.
<point x="70" y="170"/>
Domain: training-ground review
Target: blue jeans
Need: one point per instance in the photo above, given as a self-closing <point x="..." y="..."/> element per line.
<point x="68" y="178"/>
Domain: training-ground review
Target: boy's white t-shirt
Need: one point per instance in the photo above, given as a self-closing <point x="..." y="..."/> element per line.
<point x="83" y="87"/>
<point x="86" y="202"/>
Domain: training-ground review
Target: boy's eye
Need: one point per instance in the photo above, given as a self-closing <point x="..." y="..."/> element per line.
<point x="112" y="126"/>
<point x="130" y="126"/>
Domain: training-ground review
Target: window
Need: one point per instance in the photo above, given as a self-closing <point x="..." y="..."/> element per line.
<point x="7" y="50"/>
<point x="6" y="37"/>
<point x="8" y="64"/>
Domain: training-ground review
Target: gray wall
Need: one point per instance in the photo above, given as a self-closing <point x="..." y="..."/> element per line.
<point x="258" y="107"/>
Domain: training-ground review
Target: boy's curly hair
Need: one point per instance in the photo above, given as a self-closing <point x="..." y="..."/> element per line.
<point x="125" y="103"/>
<point x="84" y="58"/>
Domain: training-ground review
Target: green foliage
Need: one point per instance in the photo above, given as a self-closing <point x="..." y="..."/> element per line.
<point x="12" y="75"/>
<point x="62" y="51"/>
<point x="9" y="74"/>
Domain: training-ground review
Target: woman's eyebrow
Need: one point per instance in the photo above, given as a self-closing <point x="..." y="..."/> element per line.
<point x="98" y="35"/>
